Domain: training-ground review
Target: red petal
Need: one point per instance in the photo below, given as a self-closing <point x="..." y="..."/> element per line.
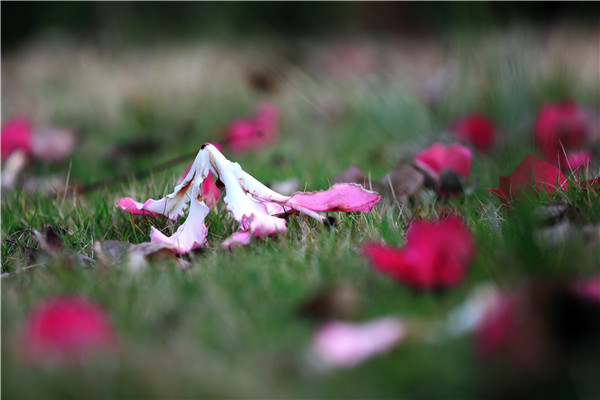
<point x="436" y="254"/>
<point x="536" y="174"/>
<point x="475" y="129"/>
<point x="66" y="329"/>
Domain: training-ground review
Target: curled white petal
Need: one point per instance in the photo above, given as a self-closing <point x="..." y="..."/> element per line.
<point x="191" y="234"/>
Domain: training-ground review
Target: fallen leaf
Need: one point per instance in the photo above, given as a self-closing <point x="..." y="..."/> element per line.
<point x="406" y="181"/>
<point x="135" y="256"/>
<point x="340" y="301"/>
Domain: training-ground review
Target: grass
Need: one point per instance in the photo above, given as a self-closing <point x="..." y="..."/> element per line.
<point x="228" y="326"/>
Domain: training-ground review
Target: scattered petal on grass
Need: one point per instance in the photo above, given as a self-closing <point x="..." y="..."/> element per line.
<point x="65" y="330"/>
<point x="13" y="165"/>
<point x="254" y="132"/>
<point x="446" y="168"/>
<point x="476" y="130"/>
<point x="561" y="128"/>
<point x="578" y="159"/>
<point x="438" y="157"/>
<point x="532" y="174"/>
<point x="52" y="144"/>
<point x="588" y="288"/>
<point x="253" y="205"/>
<point x="339" y="197"/>
<point x="131" y="206"/>
<point x="436" y="254"/>
<point x="239" y="238"/>
<point x="346" y="345"/>
<point x="354" y="174"/>
<point x="191" y="234"/>
<point x="16" y="135"/>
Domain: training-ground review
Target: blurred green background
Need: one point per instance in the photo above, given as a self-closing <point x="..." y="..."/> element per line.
<point x="145" y="22"/>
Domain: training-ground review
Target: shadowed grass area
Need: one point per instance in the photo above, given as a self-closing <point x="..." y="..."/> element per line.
<point x="228" y="326"/>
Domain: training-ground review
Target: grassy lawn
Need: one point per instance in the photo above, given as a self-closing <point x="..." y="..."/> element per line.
<point x="229" y="326"/>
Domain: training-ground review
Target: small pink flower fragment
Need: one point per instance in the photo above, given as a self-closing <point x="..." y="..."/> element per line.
<point x="131" y="206"/>
<point x="345" y="345"/>
<point x="66" y="329"/>
<point x="532" y="174"/>
<point x="437" y="158"/>
<point x="16" y="135"/>
<point x="588" y="288"/>
<point x="436" y="255"/>
<point x="577" y="160"/>
<point x="476" y="130"/>
<point x="255" y="132"/>
<point x="561" y="128"/>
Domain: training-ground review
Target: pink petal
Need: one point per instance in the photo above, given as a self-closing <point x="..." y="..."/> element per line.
<point x="254" y="132"/>
<point x="65" y="329"/>
<point x="577" y="160"/>
<point x="437" y="158"/>
<point x="239" y="238"/>
<point x="131" y="206"/>
<point x="263" y="224"/>
<point x="16" y="135"/>
<point x="190" y="235"/>
<point x="346" y="345"/>
<point x="560" y="127"/>
<point x="210" y="191"/>
<point x="588" y="288"/>
<point x="52" y="144"/>
<point x="339" y="197"/>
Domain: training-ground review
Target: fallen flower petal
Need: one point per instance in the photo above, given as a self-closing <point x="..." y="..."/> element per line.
<point x="475" y="129"/>
<point x="559" y="128"/>
<point x="588" y="288"/>
<point x="532" y="174"/>
<point x="577" y="160"/>
<point x="16" y="135"/>
<point x="253" y="205"/>
<point x="255" y="132"/>
<point x="239" y="238"/>
<point x="437" y="158"/>
<point x="52" y="144"/>
<point x="345" y="345"/>
<point x="339" y="197"/>
<point x="131" y="206"/>
<point x="66" y="329"/>
<point x="191" y="234"/>
<point x="436" y="254"/>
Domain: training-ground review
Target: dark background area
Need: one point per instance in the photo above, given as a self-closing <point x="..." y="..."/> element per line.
<point x="143" y="22"/>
